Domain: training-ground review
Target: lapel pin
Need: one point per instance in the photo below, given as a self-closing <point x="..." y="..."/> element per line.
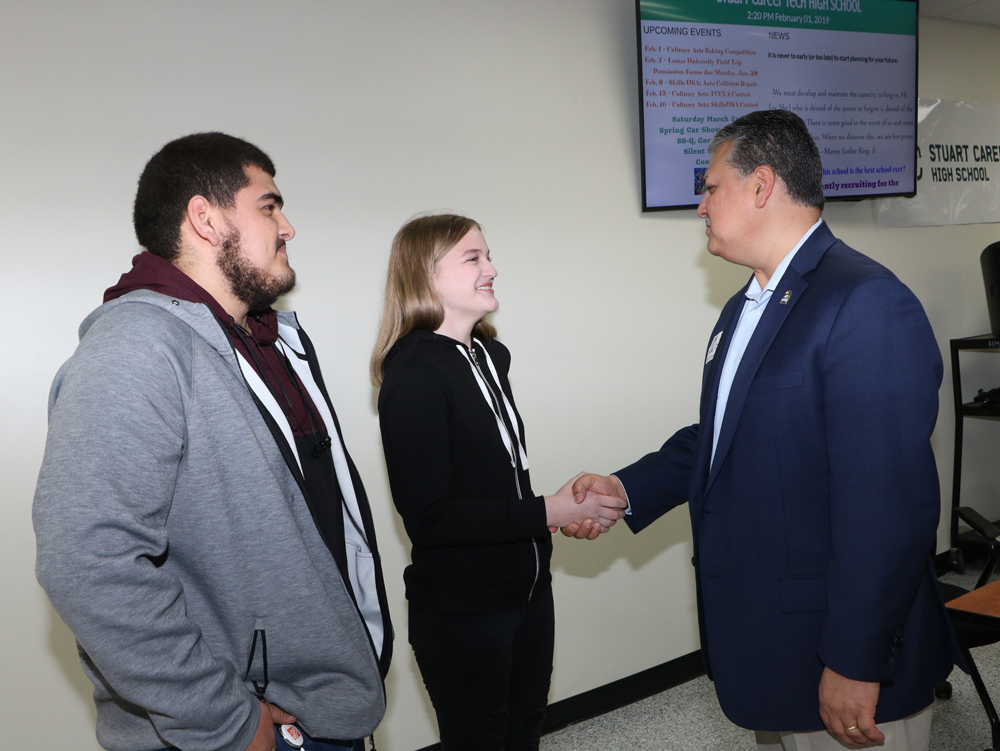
<point x="785" y="298"/>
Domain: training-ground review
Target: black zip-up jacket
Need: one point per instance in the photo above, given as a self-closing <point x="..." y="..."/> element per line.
<point x="477" y="546"/>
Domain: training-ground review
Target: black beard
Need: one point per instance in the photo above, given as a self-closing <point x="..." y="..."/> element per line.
<point x="255" y="288"/>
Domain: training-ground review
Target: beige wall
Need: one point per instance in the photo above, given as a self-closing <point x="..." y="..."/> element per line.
<point x="522" y="114"/>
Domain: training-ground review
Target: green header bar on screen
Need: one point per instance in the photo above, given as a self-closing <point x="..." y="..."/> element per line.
<point x="874" y="16"/>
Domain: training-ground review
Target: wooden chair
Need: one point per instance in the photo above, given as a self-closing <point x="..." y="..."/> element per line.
<point x="976" y="615"/>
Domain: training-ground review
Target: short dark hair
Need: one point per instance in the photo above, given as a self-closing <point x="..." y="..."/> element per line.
<point x="212" y="165"/>
<point x="780" y="140"/>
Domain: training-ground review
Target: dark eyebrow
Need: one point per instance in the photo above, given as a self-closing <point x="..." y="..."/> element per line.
<point x="273" y="198"/>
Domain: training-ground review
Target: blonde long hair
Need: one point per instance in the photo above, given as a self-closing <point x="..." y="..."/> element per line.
<point x="410" y="301"/>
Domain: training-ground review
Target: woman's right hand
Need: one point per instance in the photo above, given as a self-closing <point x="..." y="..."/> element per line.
<point x="561" y="509"/>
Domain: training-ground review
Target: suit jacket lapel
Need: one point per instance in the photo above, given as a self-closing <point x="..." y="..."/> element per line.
<point x="774" y="317"/>
<point x="710" y="389"/>
<point x="713" y="368"/>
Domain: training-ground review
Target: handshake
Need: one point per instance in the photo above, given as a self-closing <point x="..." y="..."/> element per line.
<point x="586" y="506"/>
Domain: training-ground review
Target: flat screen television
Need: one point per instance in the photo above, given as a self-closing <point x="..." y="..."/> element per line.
<point x="847" y="67"/>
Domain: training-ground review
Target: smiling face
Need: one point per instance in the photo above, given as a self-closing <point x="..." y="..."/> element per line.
<point x="253" y="255"/>
<point x="727" y="208"/>
<point x="463" y="280"/>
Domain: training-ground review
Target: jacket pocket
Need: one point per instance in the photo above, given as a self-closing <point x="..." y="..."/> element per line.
<point x="801" y="594"/>
<point x="256" y="672"/>
<point x="791" y="379"/>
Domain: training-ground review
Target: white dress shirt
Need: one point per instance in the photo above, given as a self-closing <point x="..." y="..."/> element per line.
<point x="753" y="308"/>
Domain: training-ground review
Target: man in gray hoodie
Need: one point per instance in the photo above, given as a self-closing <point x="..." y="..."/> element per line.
<point x="201" y="527"/>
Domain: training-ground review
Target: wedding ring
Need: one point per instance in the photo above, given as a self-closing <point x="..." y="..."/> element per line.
<point x="851" y="729"/>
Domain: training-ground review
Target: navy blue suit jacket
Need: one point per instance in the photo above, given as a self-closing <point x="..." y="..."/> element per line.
<point x="813" y="527"/>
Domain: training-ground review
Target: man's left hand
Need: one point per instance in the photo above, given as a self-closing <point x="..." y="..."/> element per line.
<point x="848" y="708"/>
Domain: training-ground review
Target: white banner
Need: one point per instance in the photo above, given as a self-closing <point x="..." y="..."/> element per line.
<point x="958" y="168"/>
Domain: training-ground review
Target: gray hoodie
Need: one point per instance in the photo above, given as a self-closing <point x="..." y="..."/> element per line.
<point x="170" y="527"/>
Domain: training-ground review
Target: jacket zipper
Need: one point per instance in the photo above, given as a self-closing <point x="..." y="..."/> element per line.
<point x="296" y="473"/>
<point x="515" y="447"/>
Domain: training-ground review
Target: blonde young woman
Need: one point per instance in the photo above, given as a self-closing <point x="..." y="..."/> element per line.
<point x="480" y="603"/>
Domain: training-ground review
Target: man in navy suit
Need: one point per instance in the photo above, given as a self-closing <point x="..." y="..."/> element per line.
<point x="810" y="479"/>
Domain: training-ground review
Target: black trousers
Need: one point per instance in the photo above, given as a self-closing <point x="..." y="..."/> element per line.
<point x="487" y="675"/>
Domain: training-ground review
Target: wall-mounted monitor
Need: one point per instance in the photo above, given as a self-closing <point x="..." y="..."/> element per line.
<point x="847" y="67"/>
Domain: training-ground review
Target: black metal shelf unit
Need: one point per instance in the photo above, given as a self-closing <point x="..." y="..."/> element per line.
<point x="969" y="542"/>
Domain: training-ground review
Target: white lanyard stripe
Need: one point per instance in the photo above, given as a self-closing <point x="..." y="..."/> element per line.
<point x="483" y="387"/>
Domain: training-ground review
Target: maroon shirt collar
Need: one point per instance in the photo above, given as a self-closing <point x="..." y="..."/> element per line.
<point x="158" y="275"/>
